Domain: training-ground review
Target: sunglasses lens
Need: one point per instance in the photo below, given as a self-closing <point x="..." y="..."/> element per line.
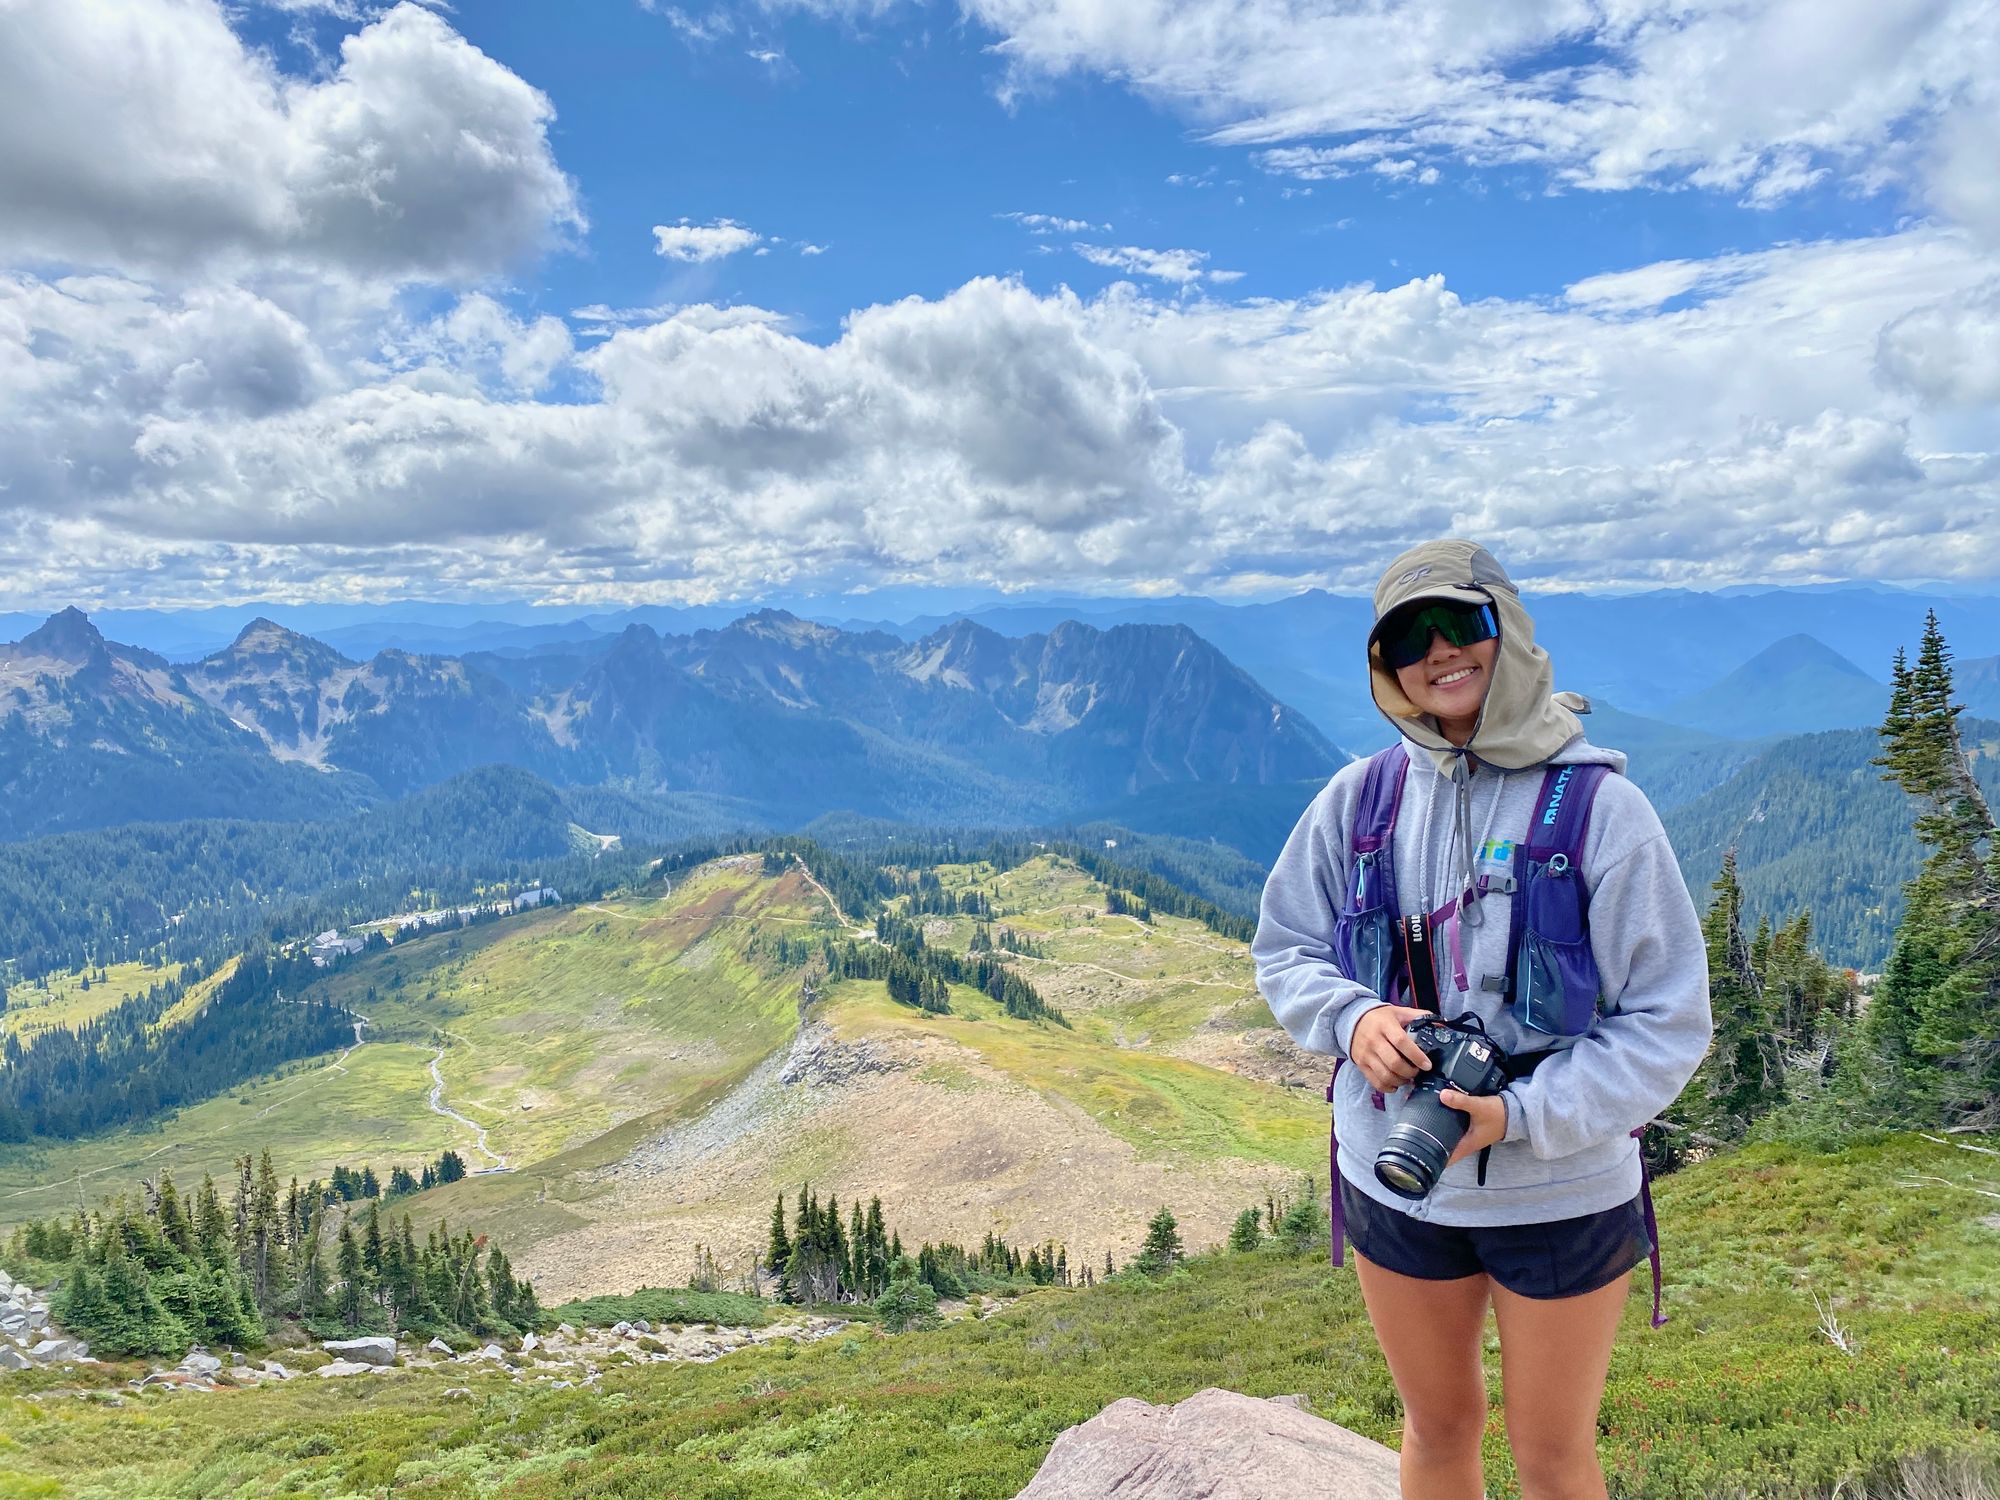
<point x="1406" y="641"/>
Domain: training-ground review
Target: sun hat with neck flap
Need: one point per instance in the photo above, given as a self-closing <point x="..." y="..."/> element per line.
<point x="1523" y="720"/>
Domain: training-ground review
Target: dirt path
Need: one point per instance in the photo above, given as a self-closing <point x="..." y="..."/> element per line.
<point x="439" y="1107"/>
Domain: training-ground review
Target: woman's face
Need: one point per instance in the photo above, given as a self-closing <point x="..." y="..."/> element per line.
<point x="1450" y="684"/>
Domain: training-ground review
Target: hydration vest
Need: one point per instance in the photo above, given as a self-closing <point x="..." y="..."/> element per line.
<point x="1551" y="982"/>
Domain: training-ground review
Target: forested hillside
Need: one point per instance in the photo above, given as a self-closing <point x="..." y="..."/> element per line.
<point x="195" y="889"/>
<point x="1817" y="828"/>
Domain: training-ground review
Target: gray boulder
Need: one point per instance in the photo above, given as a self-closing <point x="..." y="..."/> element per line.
<point x="530" y="1344"/>
<point x="277" y="1371"/>
<point x="201" y="1364"/>
<point x="13" y="1359"/>
<point x="341" y="1367"/>
<point x="1216" y="1444"/>
<point x="372" y="1351"/>
<point x="438" y="1346"/>
<point x="54" y="1351"/>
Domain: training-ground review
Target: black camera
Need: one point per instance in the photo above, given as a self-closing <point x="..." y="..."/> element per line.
<point x="1463" y="1057"/>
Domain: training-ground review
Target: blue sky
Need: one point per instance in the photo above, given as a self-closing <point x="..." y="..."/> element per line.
<point x="616" y="303"/>
<point x="897" y="143"/>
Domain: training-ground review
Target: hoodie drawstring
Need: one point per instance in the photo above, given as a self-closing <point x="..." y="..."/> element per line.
<point x="1461" y="838"/>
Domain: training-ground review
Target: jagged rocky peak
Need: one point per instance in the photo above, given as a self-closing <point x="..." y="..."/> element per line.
<point x="267" y="640"/>
<point x="66" y="636"/>
<point x="963" y="654"/>
<point x="637" y="638"/>
<point x="784" y="626"/>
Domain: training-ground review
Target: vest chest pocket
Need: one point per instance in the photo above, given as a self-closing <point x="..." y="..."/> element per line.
<point x="1556" y="973"/>
<point x="1363" y="929"/>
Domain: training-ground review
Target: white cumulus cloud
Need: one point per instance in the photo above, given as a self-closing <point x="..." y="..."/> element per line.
<point x="144" y="134"/>
<point x="699" y="242"/>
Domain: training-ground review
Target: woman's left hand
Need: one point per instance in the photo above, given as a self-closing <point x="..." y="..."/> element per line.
<point x="1489" y="1120"/>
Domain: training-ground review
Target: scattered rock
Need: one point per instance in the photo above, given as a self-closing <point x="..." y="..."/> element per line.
<point x="200" y="1363"/>
<point x="344" y="1367"/>
<point x="55" y="1351"/>
<point x="565" y="1330"/>
<point x="373" y="1351"/>
<point x="438" y="1346"/>
<point x="1216" y="1444"/>
<point x="622" y="1329"/>
<point x="13" y="1359"/>
<point x="236" y="1360"/>
<point x="493" y="1351"/>
<point x="530" y="1344"/>
<point x="278" y="1371"/>
<point x="643" y="1326"/>
<point x="455" y="1392"/>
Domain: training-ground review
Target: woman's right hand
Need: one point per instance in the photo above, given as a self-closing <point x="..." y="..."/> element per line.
<point x="1382" y="1049"/>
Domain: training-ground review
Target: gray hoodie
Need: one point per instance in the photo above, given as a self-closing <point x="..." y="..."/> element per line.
<point x="1568" y="1148"/>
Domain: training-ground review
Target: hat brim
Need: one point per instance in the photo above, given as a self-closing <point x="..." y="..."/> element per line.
<point x="1444" y="593"/>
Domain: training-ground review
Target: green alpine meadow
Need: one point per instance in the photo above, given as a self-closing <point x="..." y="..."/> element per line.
<point x="727" y="728"/>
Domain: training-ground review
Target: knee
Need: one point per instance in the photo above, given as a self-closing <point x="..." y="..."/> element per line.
<point x="1456" y="1427"/>
<point x="1556" y="1466"/>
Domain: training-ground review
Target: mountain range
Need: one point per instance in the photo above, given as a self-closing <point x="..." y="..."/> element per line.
<point x="789" y="717"/>
<point x="1648" y="653"/>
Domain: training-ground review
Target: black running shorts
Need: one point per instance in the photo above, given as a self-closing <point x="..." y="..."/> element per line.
<point x="1560" y="1258"/>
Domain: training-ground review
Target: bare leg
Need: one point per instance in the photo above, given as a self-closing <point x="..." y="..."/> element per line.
<point x="1554" y="1355"/>
<point x="1429" y="1332"/>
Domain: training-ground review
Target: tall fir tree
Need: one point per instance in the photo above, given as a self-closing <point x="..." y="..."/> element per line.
<point x="1933" y="1023"/>
<point x="1743" y="1074"/>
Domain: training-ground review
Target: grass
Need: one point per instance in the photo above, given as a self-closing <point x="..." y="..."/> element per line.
<point x="1164" y="1106"/>
<point x="67" y="1003"/>
<point x="1740" y="1395"/>
<point x="606" y="1022"/>
<point x="310" y="1116"/>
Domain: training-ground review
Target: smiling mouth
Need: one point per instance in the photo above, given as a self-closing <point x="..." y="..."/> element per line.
<point x="1452" y="678"/>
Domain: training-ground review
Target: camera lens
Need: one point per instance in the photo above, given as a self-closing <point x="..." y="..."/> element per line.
<point x="1399" y="1176"/>
<point x="1414" y="1154"/>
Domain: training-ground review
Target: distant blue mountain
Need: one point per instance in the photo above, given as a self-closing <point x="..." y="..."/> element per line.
<point x="1797" y="686"/>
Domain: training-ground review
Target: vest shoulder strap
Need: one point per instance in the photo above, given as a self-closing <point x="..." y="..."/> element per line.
<point x="1381" y="799"/>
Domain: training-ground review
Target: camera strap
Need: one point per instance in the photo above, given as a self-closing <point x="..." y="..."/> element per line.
<point x="1420" y="986"/>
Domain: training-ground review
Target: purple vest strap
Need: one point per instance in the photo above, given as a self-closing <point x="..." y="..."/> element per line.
<point x="1565" y="835"/>
<point x="1336" y="1216"/>
<point x="1652" y="1223"/>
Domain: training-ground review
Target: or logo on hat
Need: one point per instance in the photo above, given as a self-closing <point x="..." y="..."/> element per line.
<point x="1413" y="575"/>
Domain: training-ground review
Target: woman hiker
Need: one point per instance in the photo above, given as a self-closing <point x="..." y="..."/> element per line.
<point x="1537" y="1210"/>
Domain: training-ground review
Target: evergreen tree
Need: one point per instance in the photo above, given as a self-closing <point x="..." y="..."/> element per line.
<point x="1933" y="1024"/>
<point x="352" y="1292"/>
<point x="1247" y="1233"/>
<point x="211" y="1223"/>
<point x="1742" y="1077"/>
<point x="1162" y="1247"/>
<point x="778" y="1254"/>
